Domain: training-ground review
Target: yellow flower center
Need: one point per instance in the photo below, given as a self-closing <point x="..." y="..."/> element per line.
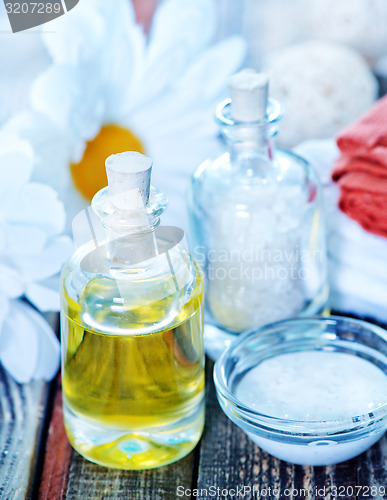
<point x="89" y="175"/>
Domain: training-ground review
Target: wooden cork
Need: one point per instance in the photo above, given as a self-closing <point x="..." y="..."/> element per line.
<point x="129" y="177"/>
<point x="249" y="93"/>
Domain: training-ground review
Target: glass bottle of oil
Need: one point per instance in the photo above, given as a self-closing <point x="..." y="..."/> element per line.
<point x="131" y="328"/>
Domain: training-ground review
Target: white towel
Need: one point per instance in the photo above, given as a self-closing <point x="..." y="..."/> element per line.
<point x="357" y="260"/>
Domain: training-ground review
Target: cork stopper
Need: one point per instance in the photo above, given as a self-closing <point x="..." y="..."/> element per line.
<point x="249" y="93"/>
<point x="129" y="176"/>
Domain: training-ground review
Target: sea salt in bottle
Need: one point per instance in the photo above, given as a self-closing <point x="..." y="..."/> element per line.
<point x="256" y="221"/>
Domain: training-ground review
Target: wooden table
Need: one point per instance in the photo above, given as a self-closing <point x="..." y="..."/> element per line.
<point x="37" y="461"/>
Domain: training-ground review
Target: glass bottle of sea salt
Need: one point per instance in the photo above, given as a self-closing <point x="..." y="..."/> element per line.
<point x="256" y="221"/>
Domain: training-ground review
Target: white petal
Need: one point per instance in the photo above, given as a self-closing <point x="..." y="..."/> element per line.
<point x="19" y="343"/>
<point x="11" y="282"/>
<point x="23" y="239"/>
<point x="22" y="58"/>
<point x="29" y="348"/>
<point x="16" y="163"/>
<point x="74" y="203"/>
<point x="72" y="99"/>
<point x="191" y="101"/>
<point x="52" y="154"/>
<point x="112" y="11"/>
<point x="208" y="75"/>
<point x="76" y="37"/>
<point x="156" y="78"/>
<point x="180" y="31"/>
<point x="49" y="349"/>
<point x="122" y="62"/>
<point x="191" y="126"/>
<point x="191" y="23"/>
<point x="48" y="263"/>
<point x="38" y="205"/>
<point x="42" y="297"/>
<point x="4" y="309"/>
<point x="52" y="94"/>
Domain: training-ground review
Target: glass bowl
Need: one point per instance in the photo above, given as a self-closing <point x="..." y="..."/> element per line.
<point x="321" y="367"/>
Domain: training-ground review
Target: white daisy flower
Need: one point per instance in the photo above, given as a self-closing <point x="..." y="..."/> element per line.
<point x="112" y="89"/>
<point x="32" y="251"/>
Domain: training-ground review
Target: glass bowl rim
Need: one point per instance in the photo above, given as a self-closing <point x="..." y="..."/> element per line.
<point x="285" y="425"/>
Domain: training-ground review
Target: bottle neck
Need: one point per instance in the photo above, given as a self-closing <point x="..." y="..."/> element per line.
<point x="131" y="249"/>
<point x="251" y="144"/>
<point x="129" y="235"/>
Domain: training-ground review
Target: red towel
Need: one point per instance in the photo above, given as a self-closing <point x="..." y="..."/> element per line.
<point x="364" y="198"/>
<point x="347" y="164"/>
<point x="361" y="170"/>
<point x="367" y="133"/>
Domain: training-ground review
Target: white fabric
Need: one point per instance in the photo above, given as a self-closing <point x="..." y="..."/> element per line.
<point x="357" y="259"/>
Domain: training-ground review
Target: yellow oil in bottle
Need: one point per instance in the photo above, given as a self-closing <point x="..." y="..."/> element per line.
<point x="133" y="401"/>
